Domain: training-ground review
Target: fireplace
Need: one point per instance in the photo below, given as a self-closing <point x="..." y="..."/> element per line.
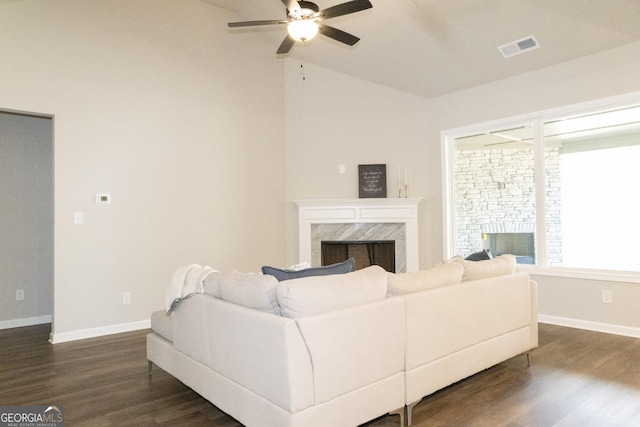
<point x="514" y="239"/>
<point x="521" y="245"/>
<point x="360" y="221"/>
<point x="366" y="253"/>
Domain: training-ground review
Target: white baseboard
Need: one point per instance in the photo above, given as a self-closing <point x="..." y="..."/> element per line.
<point x="588" y="325"/>
<point x="607" y="328"/>
<point x="28" y="321"/>
<point x="98" y="332"/>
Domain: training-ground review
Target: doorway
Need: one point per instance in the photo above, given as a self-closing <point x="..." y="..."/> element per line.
<point x="26" y="219"/>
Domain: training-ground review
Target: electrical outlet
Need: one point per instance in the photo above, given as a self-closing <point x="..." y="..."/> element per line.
<point x="126" y="298"/>
<point x="607" y="298"/>
<point x="20" y="295"/>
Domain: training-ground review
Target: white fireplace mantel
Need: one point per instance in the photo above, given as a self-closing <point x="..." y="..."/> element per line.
<point x="355" y="211"/>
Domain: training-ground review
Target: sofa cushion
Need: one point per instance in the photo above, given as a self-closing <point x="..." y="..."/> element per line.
<point x="161" y="324"/>
<point x="288" y="274"/>
<point x="317" y="294"/>
<point x="250" y="290"/>
<point x="498" y="266"/>
<point x="415" y="281"/>
<point x="211" y="284"/>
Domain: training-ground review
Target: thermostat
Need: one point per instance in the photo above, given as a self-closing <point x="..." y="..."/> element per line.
<point x="103" y="199"/>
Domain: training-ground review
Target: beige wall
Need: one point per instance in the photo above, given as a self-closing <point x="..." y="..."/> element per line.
<point x="334" y="119"/>
<point x="156" y="103"/>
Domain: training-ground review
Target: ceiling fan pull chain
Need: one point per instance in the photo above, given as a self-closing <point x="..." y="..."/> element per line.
<point x="302" y="70"/>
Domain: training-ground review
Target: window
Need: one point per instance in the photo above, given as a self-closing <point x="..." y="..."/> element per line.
<point x="571" y="177"/>
<point x="598" y="212"/>
<point x="494" y="192"/>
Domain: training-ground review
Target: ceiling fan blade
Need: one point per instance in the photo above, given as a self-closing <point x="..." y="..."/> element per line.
<point x="337" y="34"/>
<point x="343" y="9"/>
<point x="292" y="5"/>
<point x="255" y="23"/>
<point x="286" y="45"/>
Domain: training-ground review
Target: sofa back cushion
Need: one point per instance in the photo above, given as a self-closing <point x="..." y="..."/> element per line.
<point x="211" y="284"/>
<point x="447" y="320"/>
<point x="416" y="281"/>
<point x="317" y="294"/>
<point x="498" y="266"/>
<point x="352" y="349"/>
<point x="286" y="274"/>
<point x="250" y="290"/>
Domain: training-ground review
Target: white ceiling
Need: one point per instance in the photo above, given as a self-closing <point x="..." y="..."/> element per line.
<point x="434" y="47"/>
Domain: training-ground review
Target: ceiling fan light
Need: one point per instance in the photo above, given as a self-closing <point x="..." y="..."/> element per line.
<point x="302" y="29"/>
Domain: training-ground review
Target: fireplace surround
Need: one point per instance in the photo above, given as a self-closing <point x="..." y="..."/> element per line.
<point x="388" y="219"/>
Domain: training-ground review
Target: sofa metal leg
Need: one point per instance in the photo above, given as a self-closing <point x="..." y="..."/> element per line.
<point x="528" y="360"/>
<point x="149" y="367"/>
<point x="400" y="412"/>
<point x="410" y="410"/>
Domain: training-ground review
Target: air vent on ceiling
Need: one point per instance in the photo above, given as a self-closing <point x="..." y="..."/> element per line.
<point x="519" y="46"/>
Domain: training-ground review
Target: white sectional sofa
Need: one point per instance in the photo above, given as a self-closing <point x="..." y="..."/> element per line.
<point x="346" y="348"/>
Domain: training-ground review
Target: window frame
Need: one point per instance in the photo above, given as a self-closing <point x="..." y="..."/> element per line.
<point x="537" y="119"/>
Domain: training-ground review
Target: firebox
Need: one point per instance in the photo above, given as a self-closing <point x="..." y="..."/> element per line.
<point x="521" y="245"/>
<point x="365" y="253"/>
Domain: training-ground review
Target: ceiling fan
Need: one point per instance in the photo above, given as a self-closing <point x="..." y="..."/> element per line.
<point x="303" y="22"/>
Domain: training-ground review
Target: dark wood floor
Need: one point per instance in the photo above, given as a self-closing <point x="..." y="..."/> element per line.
<point x="576" y="378"/>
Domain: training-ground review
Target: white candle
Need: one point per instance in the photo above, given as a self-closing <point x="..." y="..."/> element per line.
<point x="406" y="181"/>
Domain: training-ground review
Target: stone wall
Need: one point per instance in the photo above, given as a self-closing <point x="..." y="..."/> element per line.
<point x="496" y="189"/>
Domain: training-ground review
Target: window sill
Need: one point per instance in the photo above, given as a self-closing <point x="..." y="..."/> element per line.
<point x="582" y="273"/>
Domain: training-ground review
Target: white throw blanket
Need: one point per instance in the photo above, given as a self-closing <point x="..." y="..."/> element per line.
<point x="186" y="281"/>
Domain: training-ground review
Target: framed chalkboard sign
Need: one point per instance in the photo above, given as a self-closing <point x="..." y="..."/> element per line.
<point x="372" y="180"/>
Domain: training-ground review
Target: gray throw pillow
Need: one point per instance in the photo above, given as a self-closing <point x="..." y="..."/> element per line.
<point x="337" y="268"/>
<point x="483" y="255"/>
